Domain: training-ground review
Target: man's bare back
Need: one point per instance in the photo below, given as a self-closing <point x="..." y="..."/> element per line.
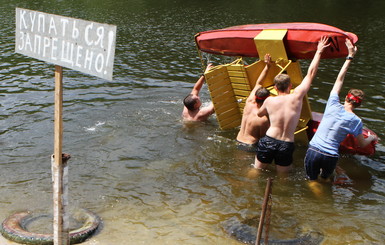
<point x="253" y="127"/>
<point x="284" y="112"/>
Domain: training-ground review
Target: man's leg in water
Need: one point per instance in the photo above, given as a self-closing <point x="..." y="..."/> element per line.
<point x="283" y="171"/>
<point x="259" y="165"/>
<point x="256" y="169"/>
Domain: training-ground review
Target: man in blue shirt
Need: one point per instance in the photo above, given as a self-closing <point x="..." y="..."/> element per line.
<point x="337" y="122"/>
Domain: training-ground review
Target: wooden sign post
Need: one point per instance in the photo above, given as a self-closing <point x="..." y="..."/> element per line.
<point x="60" y="180"/>
<point x="77" y="44"/>
<point x="265" y="208"/>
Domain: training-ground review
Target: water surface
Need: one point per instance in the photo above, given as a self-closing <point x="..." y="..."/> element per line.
<point x="154" y="180"/>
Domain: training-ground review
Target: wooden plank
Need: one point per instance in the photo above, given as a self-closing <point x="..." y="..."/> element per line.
<point x="236" y="67"/>
<point x="225" y="112"/>
<point x="60" y="198"/>
<point x="217" y="77"/>
<point x="224" y="96"/>
<point x="224" y="101"/>
<point x="272" y="90"/>
<point x="237" y="73"/>
<point x="219" y="109"/>
<point x="229" y="114"/>
<point x="231" y="125"/>
<point x="218" y="84"/>
<point x="234" y="120"/>
<point x="241" y="106"/>
<point x="241" y="101"/>
<point x="241" y="86"/>
<point x="221" y="90"/>
<point x="271" y="42"/>
<point x="241" y="93"/>
<point x="58" y="124"/>
<point x="217" y="71"/>
<point x="241" y="80"/>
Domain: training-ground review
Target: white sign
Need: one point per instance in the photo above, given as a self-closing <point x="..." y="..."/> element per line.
<point x="77" y="44"/>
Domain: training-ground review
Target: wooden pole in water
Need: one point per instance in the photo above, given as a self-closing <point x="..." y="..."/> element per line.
<point x="264" y="209"/>
<point x="61" y="233"/>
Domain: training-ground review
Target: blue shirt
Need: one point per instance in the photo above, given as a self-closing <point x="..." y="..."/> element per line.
<point x="335" y="125"/>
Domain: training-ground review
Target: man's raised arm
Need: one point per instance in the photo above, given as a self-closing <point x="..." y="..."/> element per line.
<point x="261" y="77"/>
<point x="341" y="75"/>
<point x="198" y="85"/>
<point x="304" y="87"/>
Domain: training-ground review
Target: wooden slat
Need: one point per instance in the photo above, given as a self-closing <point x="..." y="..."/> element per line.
<point x="213" y="85"/>
<point x="221" y="90"/>
<point x="230" y="111"/>
<point x="219" y="109"/>
<point x="241" y="106"/>
<point x="223" y="83"/>
<point x="232" y="124"/>
<point x="241" y="93"/>
<point x="237" y="73"/>
<point x="217" y="77"/>
<point x="237" y="67"/>
<point x="235" y="121"/>
<point x="222" y="97"/>
<point x="216" y="72"/>
<point x="241" y="80"/>
<point x="241" y="86"/>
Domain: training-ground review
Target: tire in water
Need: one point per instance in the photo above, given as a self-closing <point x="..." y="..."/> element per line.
<point x="14" y="228"/>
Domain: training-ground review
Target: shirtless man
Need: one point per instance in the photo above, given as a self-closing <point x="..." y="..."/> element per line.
<point x="284" y="111"/>
<point x="254" y="127"/>
<point x="192" y="110"/>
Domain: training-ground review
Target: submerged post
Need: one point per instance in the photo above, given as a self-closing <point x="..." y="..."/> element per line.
<point x="59" y="168"/>
<point x="264" y="210"/>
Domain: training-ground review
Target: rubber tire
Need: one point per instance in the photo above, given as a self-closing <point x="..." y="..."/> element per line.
<point x="14" y="228"/>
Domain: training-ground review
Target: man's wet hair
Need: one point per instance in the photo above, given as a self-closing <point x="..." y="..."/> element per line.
<point x="189" y="101"/>
<point x="261" y="94"/>
<point x="282" y="82"/>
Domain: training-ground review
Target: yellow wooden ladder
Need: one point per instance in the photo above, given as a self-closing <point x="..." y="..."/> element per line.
<point x="231" y="84"/>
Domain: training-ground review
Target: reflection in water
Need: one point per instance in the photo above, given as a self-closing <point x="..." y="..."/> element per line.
<point x="152" y="179"/>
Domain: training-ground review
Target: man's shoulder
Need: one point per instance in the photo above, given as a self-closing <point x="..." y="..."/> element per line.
<point x="249" y="108"/>
<point x="204" y="113"/>
<point x="333" y="95"/>
<point x="185" y="112"/>
<point x="281" y="100"/>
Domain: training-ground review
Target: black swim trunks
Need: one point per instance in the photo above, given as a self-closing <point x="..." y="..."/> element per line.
<point x="270" y="149"/>
<point x="247" y="147"/>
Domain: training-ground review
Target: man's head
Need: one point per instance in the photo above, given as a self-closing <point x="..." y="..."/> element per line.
<point x="261" y="94"/>
<point x="355" y="97"/>
<point x="282" y="82"/>
<point x="192" y="102"/>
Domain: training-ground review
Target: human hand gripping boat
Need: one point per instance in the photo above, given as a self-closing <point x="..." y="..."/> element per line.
<point x="287" y="43"/>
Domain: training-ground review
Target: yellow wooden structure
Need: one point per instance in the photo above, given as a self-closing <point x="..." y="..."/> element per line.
<point x="231" y="84"/>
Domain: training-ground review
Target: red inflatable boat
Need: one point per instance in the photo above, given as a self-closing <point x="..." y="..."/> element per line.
<point x="301" y="40"/>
